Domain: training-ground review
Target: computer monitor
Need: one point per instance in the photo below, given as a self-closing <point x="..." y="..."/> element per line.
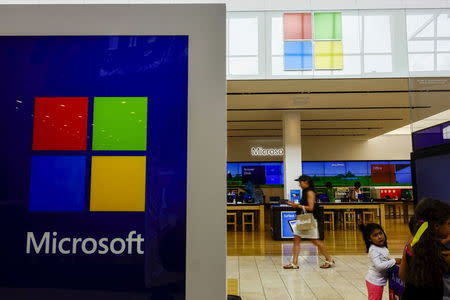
<point x="274" y="199"/>
<point x="432" y="171"/>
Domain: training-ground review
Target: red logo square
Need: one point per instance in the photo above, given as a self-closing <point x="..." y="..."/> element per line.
<point x="60" y="123"/>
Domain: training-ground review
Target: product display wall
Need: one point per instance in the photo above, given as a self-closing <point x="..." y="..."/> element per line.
<point x="369" y="173"/>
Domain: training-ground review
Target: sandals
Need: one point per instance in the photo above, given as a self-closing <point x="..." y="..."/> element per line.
<point x="291" y="267"/>
<point x="328" y="264"/>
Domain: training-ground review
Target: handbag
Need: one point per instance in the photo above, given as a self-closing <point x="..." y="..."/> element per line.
<point x="305" y="221"/>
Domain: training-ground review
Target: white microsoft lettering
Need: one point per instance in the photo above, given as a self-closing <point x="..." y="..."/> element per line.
<point x="45" y="240"/>
<point x="88" y="245"/>
<point x="61" y="246"/>
<point x="84" y="247"/>
<point x="122" y="246"/>
<point x="260" y="151"/>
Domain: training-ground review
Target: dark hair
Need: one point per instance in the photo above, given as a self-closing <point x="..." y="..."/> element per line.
<point x="309" y="180"/>
<point x="329" y="185"/>
<point x="367" y="231"/>
<point x="427" y="263"/>
<point x="357" y="184"/>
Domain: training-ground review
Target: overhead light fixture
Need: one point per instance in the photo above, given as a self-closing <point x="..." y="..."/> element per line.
<point x="298" y="100"/>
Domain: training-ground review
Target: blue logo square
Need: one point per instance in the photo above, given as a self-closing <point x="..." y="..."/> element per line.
<point x="57" y="183"/>
<point x="298" y="55"/>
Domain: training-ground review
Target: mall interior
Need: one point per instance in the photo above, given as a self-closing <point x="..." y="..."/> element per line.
<point x="354" y="94"/>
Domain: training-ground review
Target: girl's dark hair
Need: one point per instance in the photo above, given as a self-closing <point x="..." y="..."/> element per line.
<point x="357" y="184"/>
<point x="367" y="230"/>
<point x="427" y="264"/>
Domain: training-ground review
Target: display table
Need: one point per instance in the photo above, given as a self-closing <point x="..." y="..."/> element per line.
<point x="400" y="204"/>
<point x="379" y="206"/>
<point x="282" y="216"/>
<point x="258" y="208"/>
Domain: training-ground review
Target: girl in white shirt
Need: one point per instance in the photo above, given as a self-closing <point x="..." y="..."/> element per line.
<point x="376" y="244"/>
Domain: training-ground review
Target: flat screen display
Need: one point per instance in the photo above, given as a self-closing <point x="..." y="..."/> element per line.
<point x="262" y="173"/>
<point x="254" y="174"/>
<point x="339" y="173"/>
<point x="432" y="177"/>
<point x="433" y="136"/>
<point x="368" y="173"/>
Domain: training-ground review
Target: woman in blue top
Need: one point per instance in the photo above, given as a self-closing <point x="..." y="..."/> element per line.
<point x="308" y="204"/>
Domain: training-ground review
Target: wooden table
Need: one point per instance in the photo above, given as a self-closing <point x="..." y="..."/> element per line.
<point x="379" y="206"/>
<point x="402" y="204"/>
<point x="257" y="208"/>
<point x="406" y="210"/>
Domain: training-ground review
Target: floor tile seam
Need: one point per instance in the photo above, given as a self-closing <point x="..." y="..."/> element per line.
<point x="324" y="279"/>
<point x="281" y="276"/>
<point x="267" y="263"/>
<point x="346" y="264"/>
<point x="262" y="285"/>
<point x="239" y="276"/>
<point x="284" y="283"/>
<point x="344" y="293"/>
<point x="307" y="285"/>
<point x="310" y="288"/>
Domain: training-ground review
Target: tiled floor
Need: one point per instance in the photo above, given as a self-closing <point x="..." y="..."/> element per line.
<point x="255" y="260"/>
<point x="262" y="277"/>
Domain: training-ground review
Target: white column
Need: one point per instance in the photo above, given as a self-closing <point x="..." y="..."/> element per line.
<point x="292" y="141"/>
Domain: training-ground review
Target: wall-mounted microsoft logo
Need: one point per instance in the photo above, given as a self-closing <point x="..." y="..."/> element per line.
<point x="70" y="172"/>
<point x="317" y="35"/>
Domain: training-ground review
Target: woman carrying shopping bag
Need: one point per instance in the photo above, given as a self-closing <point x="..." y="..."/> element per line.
<point x="307" y="226"/>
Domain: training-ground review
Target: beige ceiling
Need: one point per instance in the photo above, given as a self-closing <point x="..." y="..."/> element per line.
<point x="353" y="108"/>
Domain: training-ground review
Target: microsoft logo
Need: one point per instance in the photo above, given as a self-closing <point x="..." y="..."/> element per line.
<point x="313" y="41"/>
<point x="89" y="154"/>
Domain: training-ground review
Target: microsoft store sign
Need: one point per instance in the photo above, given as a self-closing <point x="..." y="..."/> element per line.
<point x="260" y="151"/>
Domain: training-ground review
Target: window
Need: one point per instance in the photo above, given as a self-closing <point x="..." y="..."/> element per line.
<point x="377" y="44"/>
<point x="243" y="40"/>
<point x="369" y="46"/>
<point x="428" y="41"/>
<point x="350" y="47"/>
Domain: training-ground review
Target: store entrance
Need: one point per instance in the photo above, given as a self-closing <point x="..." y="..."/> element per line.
<point x="361" y="173"/>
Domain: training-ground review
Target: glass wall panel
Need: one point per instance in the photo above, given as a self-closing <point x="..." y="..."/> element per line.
<point x="375" y="43"/>
<point x="428" y="34"/>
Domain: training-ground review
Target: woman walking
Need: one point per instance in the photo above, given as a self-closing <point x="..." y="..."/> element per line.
<point x="308" y="204"/>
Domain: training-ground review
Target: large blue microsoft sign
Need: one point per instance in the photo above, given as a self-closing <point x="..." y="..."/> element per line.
<point x="95" y="154"/>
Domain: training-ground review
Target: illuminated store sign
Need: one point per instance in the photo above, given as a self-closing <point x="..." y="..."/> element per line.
<point x="313" y="41"/>
<point x="260" y="151"/>
<point x="95" y="182"/>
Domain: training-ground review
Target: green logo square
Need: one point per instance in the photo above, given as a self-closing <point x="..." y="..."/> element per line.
<point x="120" y="123"/>
<point x="327" y="26"/>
